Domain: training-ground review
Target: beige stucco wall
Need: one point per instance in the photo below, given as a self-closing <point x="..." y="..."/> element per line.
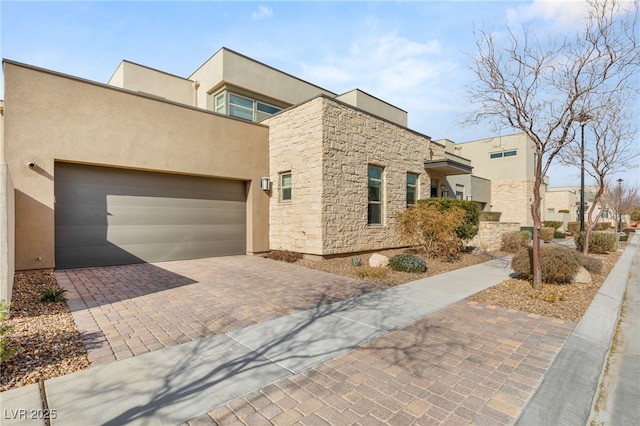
<point x="51" y="117"/>
<point x="7" y="233"/>
<point x="146" y="80"/>
<point x="362" y="100"/>
<point x="328" y="145"/>
<point x="229" y="67"/>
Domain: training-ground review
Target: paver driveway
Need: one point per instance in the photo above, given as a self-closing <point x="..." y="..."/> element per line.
<point x="128" y="310"/>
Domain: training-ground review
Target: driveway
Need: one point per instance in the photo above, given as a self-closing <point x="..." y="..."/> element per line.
<point x="128" y="310"/>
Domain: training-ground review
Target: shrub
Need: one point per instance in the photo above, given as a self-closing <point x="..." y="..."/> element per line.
<point x="371" y="272"/>
<point x="559" y="235"/>
<point x="284" y="255"/>
<point x="563" y="211"/>
<point x="469" y="226"/>
<point x="5" y="351"/>
<point x="599" y="242"/>
<point x="629" y="231"/>
<point x="432" y="228"/>
<point x="592" y="264"/>
<point x="490" y="216"/>
<point x="408" y="263"/>
<point x="559" y="264"/>
<point x="555" y="224"/>
<point x="601" y="226"/>
<point x="53" y="294"/>
<point x="514" y="241"/>
<point x="623" y="237"/>
<point x="573" y="227"/>
<point x="355" y="261"/>
<point x="546" y="234"/>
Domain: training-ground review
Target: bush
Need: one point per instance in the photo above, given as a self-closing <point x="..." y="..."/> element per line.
<point x="514" y="241"/>
<point x="592" y="264"/>
<point x="469" y="226"/>
<point x="284" y="255"/>
<point x="563" y="211"/>
<point x="490" y="216"/>
<point x="601" y="226"/>
<point x="559" y="235"/>
<point x="559" y="264"/>
<point x="573" y="227"/>
<point x="5" y="351"/>
<point x="599" y="242"/>
<point x="432" y="228"/>
<point x="552" y="224"/>
<point x="408" y="263"/>
<point x="629" y="231"/>
<point x="546" y="234"/>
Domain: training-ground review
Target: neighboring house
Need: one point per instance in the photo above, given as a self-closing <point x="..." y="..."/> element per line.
<point x="154" y="167"/>
<point x="509" y="163"/>
<point x="568" y="198"/>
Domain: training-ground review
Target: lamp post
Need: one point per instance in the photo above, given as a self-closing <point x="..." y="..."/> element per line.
<point x="620" y="180"/>
<point x="582" y="119"/>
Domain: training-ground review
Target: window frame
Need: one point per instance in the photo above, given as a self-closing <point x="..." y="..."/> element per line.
<point x="413" y="187"/>
<point x="282" y="187"/>
<point x="379" y="204"/>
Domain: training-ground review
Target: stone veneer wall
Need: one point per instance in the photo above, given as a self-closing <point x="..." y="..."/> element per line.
<point x="489" y="237"/>
<point x="511" y="197"/>
<point x="327" y="145"/>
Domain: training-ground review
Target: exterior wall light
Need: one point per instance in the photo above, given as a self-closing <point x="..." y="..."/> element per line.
<point x="265" y="183"/>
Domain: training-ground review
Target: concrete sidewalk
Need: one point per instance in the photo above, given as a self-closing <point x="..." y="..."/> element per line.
<point x="174" y="384"/>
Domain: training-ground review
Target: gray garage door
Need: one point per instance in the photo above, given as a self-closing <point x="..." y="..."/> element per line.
<point x="109" y="216"/>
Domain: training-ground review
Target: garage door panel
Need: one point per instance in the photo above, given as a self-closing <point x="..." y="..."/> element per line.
<point x="108" y="216"/>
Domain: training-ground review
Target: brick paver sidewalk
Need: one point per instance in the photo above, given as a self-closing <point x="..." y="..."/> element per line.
<point x="466" y="364"/>
<point x="129" y="310"/>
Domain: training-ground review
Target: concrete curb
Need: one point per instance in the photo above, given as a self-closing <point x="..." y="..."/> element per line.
<point x="567" y="393"/>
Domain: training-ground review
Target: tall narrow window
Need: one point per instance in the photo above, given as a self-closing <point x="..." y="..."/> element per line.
<point x="285" y="186"/>
<point x="219" y="106"/>
<point x="374" y="213"/>
<point x="412" y="189"/>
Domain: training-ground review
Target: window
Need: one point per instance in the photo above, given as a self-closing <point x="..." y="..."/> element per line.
<point x="219" y="104"/>
<point x="240" y="107"/>
<point x="510" y="153"/>
<point x="552" y="210"/>
<point x="495" y="155"/>
<point x="412" y="189"/>
<point x="459" y="192"/>
<point x="374" y="212"/>
<point x="285" y="186"/>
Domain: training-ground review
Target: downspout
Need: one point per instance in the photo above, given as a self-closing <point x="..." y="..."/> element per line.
<point x="196" y="85"/>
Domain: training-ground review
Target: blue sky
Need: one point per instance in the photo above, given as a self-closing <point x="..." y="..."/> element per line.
<point x="412" y="54"/>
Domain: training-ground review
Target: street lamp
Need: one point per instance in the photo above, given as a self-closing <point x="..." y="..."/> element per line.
<point x="582" y="118"/>
<point x="620" y="180"/>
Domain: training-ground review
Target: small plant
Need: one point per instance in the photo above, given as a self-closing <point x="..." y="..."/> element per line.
<point x="546" y="234"/>
<point x="554" y="296"/>
<point x="559" y="235"/>
<point x="53" y="294"/>
<point x="555" y="224"/>
<point x="356" y="261"/>
<point x="599" y="242"/>
<point x="514" y="241"/>
<point x="592" y="264"/>
<point x="371" y="272"/>
<point x="559" y="264"/>
<point x="5" y="351"/>
<point x="408" y="263"/>
<point x="284" y="256"/>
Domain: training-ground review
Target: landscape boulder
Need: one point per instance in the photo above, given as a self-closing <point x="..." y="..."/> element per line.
<point x="582" y="277"/>
<point x="378" y="260"/>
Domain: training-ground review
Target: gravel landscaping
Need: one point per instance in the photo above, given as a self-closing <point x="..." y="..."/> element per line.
<point x="48" y="344"/>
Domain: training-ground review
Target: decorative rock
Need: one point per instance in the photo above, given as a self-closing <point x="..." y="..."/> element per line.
<point x="582" y="277"/>
<point x="378" y="260"/>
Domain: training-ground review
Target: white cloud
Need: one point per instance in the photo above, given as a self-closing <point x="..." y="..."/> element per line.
<point x="262" y="13"/>
<point x="560" y="13"/>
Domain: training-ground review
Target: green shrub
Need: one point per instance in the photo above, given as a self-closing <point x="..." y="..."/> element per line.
<point x="5" y="351"/>
<point x="284" y="255"/>
<point x="514" y="241"/>
<point x="559" y="235"/>
<point x="408" y="263"/>
<point x="469" y="226"/>
<point x="432" y="228"/>
<point x="599" y="242"/>
<point x="53" y="294"/>
<point x="592" y="264"/>
<point x="559" y="264"/>
<point x="555" y="224"/>
<point x="573" y="227"/>
<point x="563" y="211"/>
<point x="355" y="261"/>
<point x="623" y="237"/>
<point x="490" y="216"/>
<point x="546" y="234"/>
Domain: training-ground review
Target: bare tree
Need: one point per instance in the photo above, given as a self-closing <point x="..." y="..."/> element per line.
<point x="622" y="199"/>
<point x="609" y="148"/>
<point x="543" y="90"/>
